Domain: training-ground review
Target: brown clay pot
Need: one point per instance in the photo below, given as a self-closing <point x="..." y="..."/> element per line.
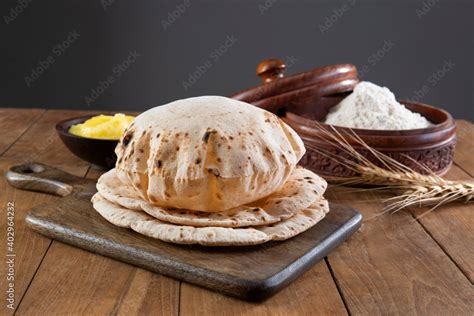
<point x="305" y="99"/>
<point x="432" y="147"/>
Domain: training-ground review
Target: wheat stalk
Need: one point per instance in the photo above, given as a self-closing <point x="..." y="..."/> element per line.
<point x="417" y="189"/>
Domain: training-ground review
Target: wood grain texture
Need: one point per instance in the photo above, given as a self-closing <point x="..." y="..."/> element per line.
<point x="14" y="122"/>
<point x="392" y="266"/>
<point x="75" y="282"/>
<point x="31" y="247"/>
<point x="463" y="156"/>
<point x="452" y="227"/>
<point x="42" y="144"/>
<point x="314" y="293"/>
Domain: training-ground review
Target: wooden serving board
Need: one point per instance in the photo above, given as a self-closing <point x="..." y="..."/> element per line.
<point x="251" y="273"/>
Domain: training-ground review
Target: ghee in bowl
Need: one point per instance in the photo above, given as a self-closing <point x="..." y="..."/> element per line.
<point x="103" y="126"/>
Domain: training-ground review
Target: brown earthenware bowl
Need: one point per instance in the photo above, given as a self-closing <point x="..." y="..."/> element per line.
<point x="432" y="147"/>
<point x="306" y="98"/>
<point x="100" y="153"/>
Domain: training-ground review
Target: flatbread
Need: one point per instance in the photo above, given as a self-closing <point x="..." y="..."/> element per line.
<point x="111" y="188"/>
<point x="301" y="189"/>
<point x="209" y="236"/>
<point x="298" y="223"/>
<point x="116" y="214"/>
<point x="207" y="153"/>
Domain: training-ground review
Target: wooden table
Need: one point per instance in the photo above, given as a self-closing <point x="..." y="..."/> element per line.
<point x="395" y="264"/>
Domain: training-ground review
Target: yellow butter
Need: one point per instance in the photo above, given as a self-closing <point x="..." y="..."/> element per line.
<point x="103" y="126"/>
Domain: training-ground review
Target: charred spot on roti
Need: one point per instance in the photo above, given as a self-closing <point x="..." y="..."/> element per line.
<point x="219" y="159"/>
<point x="198" y="161"/>
<point x="159" y="164"/>
<point x="207" y="134"/>
<point x="213" y="171"/>
<point x="127" y="138"/>
<point x="158" y="135"/>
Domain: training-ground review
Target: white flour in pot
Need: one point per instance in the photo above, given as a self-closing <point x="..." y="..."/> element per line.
<point x="373" y="107"/>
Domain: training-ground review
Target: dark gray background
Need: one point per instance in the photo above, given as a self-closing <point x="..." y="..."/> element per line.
<point x="420" y="47"/>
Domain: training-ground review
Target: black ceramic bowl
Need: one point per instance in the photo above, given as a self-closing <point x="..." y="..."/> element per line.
<point x="100" y="153"/>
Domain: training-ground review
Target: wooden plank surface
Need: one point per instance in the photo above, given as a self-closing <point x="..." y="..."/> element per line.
<point x="41" y="143"/>
<point x="315" y="293"/>
<point x="38" y="143"/>
<point x="394" y="264"/>
<point x="72" y="281"/>
<point x="464" y="152"/>
<point x="14" y="122"/>
<point x="452" y="227"/>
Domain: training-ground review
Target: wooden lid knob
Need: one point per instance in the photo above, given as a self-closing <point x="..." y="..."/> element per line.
<point x="271" y="69"/>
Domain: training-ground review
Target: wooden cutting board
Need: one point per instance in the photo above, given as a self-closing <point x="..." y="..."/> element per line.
<point x="251" y="273"/>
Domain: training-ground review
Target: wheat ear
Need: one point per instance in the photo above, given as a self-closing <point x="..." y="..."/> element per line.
<point x="417" y="189"/>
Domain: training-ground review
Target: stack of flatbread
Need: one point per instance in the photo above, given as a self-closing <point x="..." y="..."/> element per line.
<point x="212" y="171"/>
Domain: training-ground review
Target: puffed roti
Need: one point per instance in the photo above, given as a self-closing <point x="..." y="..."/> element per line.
<point x="207" y="154"/>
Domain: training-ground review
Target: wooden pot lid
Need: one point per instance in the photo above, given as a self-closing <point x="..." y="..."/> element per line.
<point x="278" y="92"/>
